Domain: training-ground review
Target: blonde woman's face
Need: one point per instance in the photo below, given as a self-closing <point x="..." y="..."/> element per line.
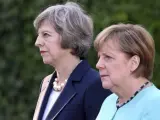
<point x="113" y="65"/>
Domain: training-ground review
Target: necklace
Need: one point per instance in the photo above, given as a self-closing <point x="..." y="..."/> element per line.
<point x="120" y="105"/>
<point x="58" y="86"/>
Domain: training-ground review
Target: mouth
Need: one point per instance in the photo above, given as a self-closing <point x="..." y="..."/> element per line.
<point x="42" y="52"/>
<point x="103" y="76"/>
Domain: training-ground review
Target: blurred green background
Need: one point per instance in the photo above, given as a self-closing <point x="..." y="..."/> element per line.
<point x="21" y="66"/>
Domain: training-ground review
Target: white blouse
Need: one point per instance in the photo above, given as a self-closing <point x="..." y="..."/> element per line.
<point x="51" y="101"/>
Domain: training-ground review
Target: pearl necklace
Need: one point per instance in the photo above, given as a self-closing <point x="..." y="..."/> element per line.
<point x="58" y="86"/>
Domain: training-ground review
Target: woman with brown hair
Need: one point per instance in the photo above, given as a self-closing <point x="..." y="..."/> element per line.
<point x="126" y="59"/>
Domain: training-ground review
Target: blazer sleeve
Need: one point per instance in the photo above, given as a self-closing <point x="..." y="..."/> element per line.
<point x="94" y="97"/>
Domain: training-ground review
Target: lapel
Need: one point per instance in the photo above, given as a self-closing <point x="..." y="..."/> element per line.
<point x="67" y="94"/>
<point x="69" y="91"/>
<point x="44" y="89"/>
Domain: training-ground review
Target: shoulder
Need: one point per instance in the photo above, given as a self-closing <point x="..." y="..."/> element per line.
<point x="94" y="94"/>
<point x="48" y="77"/>
<point x="110" y="99"/>
<point x="108" y="106"/>
<point x="93" y="80"/>
<point x="153" y="94"/>
<point x="152" y="102"/>
<point x="95" y="85"/>
<point x="92" y="73"/>
<point x="92" y="76"/>
<point x="109" y="102"/>
<point x="45" y="81"/>
<point x="154" y="98"/>
<point x="96" y="90"/>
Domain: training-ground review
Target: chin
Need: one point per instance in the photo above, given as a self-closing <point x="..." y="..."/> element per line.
<point x="47" y="62"/>
<point x="106" y="85"/>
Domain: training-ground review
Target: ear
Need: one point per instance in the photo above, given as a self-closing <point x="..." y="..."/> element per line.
<point x="135" y="61"/>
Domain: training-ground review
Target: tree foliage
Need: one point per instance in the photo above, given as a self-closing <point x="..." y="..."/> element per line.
<point x="21" y="68"/>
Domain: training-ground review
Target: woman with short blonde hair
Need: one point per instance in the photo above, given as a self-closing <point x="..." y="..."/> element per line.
<point x="126" y="59"/>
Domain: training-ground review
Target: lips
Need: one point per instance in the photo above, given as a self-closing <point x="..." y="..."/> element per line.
<point x="42" y="52"/>
<point x="103" y="76"/>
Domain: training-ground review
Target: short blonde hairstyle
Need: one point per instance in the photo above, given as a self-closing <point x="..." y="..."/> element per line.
<point x="132" y="40"/>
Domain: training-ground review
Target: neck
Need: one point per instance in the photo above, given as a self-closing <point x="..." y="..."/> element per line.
<point x="128" y="89"/>
<point x="66" y="66"/>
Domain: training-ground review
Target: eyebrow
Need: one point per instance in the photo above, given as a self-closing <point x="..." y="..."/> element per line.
<point x="109" y="54"/>
<point x="43" y="31"/>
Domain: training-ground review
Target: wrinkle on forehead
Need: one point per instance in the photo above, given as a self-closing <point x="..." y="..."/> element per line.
<point x="110" y="45"/>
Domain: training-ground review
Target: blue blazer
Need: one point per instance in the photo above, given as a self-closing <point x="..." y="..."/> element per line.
<point x="81" y="98"/>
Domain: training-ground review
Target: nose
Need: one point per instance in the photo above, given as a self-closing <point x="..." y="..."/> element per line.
<point x="39" y="41"/>
<point x="100" y="64"/>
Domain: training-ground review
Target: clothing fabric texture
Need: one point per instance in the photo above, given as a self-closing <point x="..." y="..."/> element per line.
<point x="144" y="106"/>
<point x="80" y="99"/>
<point x="51" y="101"/>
